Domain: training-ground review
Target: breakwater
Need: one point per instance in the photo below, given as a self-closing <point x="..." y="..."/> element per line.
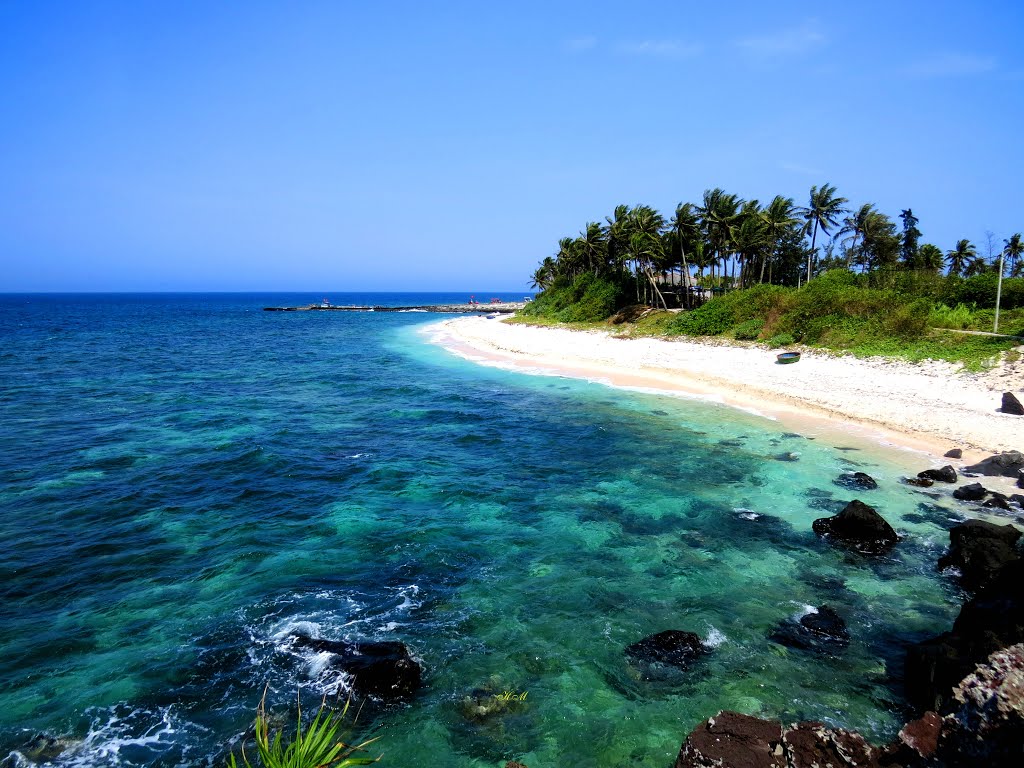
<point x="504" y="308"/>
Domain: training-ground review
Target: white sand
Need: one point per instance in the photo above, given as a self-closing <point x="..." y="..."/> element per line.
<point x="930" y="406"/>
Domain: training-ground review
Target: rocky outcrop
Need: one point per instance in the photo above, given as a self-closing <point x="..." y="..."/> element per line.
<point x="944" y="474"/>
<point x="1011" y="404"/>
<point x="672" y="647"/>
<point x="986" y="724"/>
<point x="920" y="482"/>
<point x="733" y="740"/>
<point x="971" y="492"/>
<point x="979" y="549"/>
<point x="385" y="670"/>
<point x="1007" y="464"/>
<point x="990" y="621"/>
<point x="954" y="453"/>
<point x="821" y="630"/>
<point x="858" y="526"/>
<point x="983" y="726"/>
<point x="856" y="481"/>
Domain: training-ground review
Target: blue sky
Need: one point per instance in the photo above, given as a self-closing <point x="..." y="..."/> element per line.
<point x="363" y="146"/>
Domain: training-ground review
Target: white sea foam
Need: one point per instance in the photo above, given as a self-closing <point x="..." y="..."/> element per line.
<point x="715" y="637"/>
<point x="805" y="610"/>
<point x="746" y="514"/>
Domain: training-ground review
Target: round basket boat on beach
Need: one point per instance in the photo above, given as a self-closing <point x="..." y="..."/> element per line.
<point x="785" y="358"/>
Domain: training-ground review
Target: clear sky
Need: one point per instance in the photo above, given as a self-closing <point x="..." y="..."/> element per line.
<point x="431" y="146"/>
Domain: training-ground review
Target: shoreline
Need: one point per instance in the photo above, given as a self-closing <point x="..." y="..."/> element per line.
<point x="925" y="408"/>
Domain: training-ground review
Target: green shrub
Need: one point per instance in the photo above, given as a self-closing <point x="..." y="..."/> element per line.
<point x="942" y="316"/>
<point x="781" y="340"/>
<point x="710" y="319"/>
<point x="588" y="298"/>
<point x="748" y="330"/>
<point x="908" y="321"/>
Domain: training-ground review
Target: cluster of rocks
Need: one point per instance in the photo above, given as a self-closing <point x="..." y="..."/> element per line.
<point x="968" y="682"/>
<point x="984" y="726"/>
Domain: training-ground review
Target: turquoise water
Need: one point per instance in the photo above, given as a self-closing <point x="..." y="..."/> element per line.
<point x="187" y="479"/>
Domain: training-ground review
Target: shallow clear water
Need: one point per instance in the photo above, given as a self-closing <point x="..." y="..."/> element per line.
<point x="186" y="480"/>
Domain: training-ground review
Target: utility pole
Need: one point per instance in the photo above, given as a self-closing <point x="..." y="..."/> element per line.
<point x="999" y="292"/>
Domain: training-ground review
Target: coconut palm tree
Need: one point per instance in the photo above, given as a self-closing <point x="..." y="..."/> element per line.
<point x="686" y="226"/>
<point x="544" y="274"/>
<point x="929" y="257"/>
<point x="1013" y="249"/>
<point x="593" y="244"/>
<point x="778" y="216"/>
<point x="961" y="258"/>
<point x="750" y="238"/>
<point x="822" y="212"/>
<point x="854" y="225"/>
<point x="718" y="218"/>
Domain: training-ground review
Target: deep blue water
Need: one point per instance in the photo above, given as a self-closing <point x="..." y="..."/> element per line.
<point x="186" y="480"/>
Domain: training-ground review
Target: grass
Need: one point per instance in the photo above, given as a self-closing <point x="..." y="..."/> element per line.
<point x="318" y="745"/>
<point x="833" y="312"/>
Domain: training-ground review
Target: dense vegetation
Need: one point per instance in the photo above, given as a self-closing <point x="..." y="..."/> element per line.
<point x="823" y="275"/>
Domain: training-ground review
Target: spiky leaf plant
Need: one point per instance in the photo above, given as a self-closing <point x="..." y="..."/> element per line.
<point x="318" y="745"/>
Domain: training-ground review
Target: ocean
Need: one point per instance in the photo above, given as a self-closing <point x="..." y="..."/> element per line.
<point x="187" y="482"/>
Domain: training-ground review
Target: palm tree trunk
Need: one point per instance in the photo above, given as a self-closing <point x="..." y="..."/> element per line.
<point x="810" y="255"/>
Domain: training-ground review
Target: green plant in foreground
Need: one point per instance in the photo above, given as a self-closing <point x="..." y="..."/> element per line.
<point x="317" y="746"/>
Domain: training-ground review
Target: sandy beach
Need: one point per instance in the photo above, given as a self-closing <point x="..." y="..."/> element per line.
<point x="929" y="407"/>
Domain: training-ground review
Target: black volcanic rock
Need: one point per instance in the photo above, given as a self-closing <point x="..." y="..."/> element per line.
<point x="991" y="620"/>
<point x="856" y="481"/>
<point x="945" y="474"/>
<point x="1011" y="404"/>
<point x="385" y="670"/>
<point x="920" y="482"/>
<point x="972" y="492"/>
<point x="821" y="630"/>
<point x="673" y="647"/>
<point x="858" y="526"/>
<point x="954" y="453"/>
<point x="1007" y="464"/>
<point x="997" y="501"/>
<point x="979" y="549"/>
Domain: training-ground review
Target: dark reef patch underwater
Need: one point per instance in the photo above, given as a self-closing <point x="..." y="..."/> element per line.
<point x="189" y="483"/>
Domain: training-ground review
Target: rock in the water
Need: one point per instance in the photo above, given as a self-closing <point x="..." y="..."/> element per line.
<point x="945" y="474"/>
<point x="733" y="739"/>
<point x="788" y="456"/>
<point x="812" y="745"/>
<point x="993" y="619"/>
<point x="997" y="501"/>
<point x="858" y="526"/>
<point x="856" y="481"/>
<point x="954" y="453"/>
<point x="1011" y="404"/>
<point x="972" y="492"/>
<point x="920" y="482"/>
<point x="1017" y="498"/>
<point x="979" y="549"/>
<point x="1007" y="464"/>
<point x="920" y="738"/>
<point x="385" y="670"/>
<point x="820" y="630"/>
<point x="673" y="647"/>
<point x="1020" y="479"/>
<point x="986" y="726"/>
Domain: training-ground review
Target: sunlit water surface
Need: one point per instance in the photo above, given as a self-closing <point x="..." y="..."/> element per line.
<point x="187" y="481"/>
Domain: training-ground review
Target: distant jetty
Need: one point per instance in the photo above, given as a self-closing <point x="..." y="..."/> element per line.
<point x="502" y="308"/>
